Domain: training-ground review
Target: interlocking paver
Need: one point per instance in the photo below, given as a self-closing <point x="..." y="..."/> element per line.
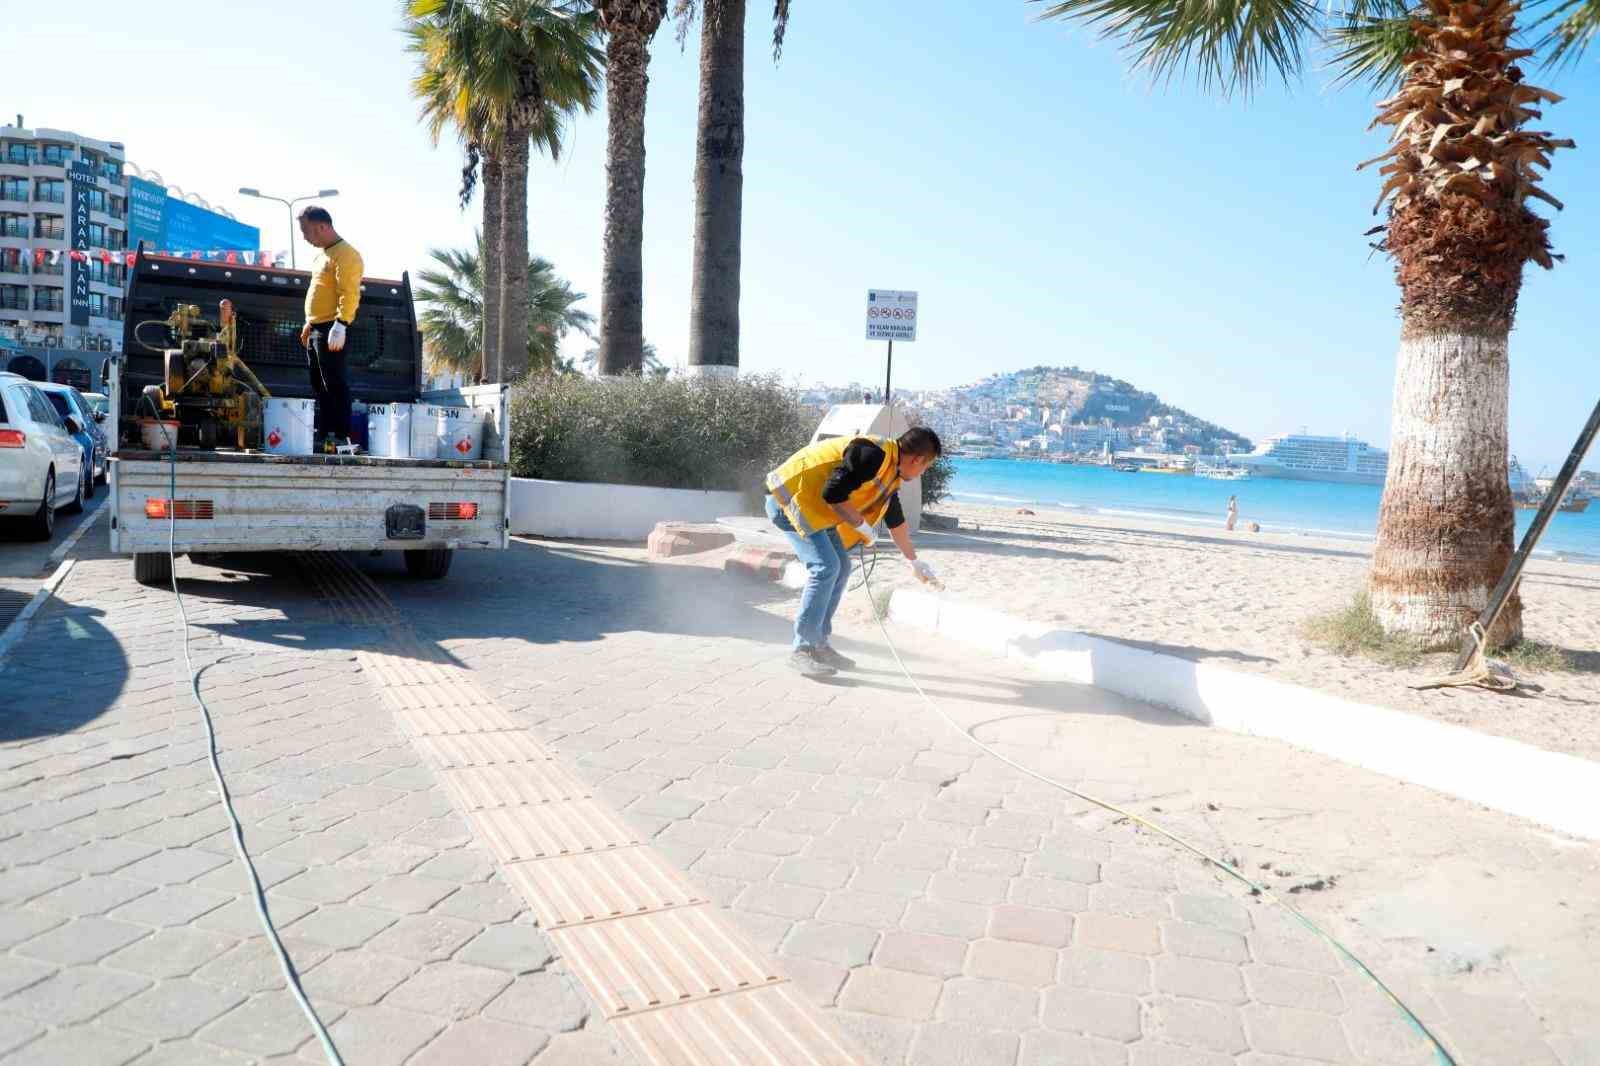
<point x="172" y="1009"/>
<point x="516" y="949"/>
<point x="81" y="941"/>
<point x="170" y="952"/>
<point x="892" y="993"/>
<point x="944" y="1044"/>
<point x="80" y="1046"/>
<point x="483" y="1042"/>
<point x="1205" y="942"/>
<point x="1041" y="1047"/>
<point x="833" y="942"/>
<point x="1290" y="1031"/>
<point x="357" y="978"/>
<point x="1293" y="988"/>
<point x="991" y="1004"/>
<point x="1105" y="1014"/>
<point x="449" y="989"/>
<point x="939" y="956"/>
<point x="1197" y="1023"/>
<point x="378" y="1036"/>
<point x="91" y="895"/>
<point x="74" y="995"/>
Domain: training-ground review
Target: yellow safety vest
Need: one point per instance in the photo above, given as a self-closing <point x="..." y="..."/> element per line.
<point x="797" y="486"/>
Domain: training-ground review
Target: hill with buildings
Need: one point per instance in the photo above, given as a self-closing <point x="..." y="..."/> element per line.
<point x="1056" y="410"/>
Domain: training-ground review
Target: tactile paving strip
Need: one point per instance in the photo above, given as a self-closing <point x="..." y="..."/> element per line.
<point x="663" y="958"/>
<point x="512" y="785"/>
<point x="454" y="751"/>
<point x="684" y="987"/>
<point x="773" y="1026"/>
<point x="600" y="885"/>
<point x="516" y="834"/>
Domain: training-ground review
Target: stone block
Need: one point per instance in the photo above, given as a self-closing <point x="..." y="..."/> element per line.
<point x="1293" y="988"/>
<point x="1104" y="1014"/>
<point x="379" y="1036"/>
<point x="669" y="539"/>
<point x="1030" y="925"/>
<point x="1106" y="971"/>
<point x="1113" y="932"/>
<point x="547" y="1000"/>
<point x="483" y="1043"/>
<point x="891" y="993"/>
<point x="762" y="564"/>
<point x="943" y="1044"/>
<point x="1005" y="960"/>
<point x="1199" y="979"/>
<point x="1204" y="942"/>
<point x="73" y="995"/>
<point x="937" y="956"/>
<point x="1197" y="1024"/>
<point x="1288" y="1031"/>
<point x="842" y="945"/>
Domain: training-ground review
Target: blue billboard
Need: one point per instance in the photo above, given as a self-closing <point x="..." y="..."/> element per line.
<point x="167" y="224"/>
<point x="147" y="213"/>
<point x="193" y="228"/>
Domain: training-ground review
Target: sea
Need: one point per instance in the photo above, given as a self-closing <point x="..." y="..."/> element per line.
<point x="1280" y="505"/>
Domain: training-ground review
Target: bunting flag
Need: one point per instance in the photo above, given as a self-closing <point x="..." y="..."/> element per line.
<point x="38" y="257"/>
<point x="55" y="257"/>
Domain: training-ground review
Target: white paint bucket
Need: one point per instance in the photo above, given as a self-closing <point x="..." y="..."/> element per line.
<point x="461" y="433"/>
<point x="389" y="429"/>
<point x="288" y="426"/>
<point x="159" y="435"/>
<point x="425" y="430"/>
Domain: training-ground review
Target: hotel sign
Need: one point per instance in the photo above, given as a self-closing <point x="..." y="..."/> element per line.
<point x="81" y="177"/>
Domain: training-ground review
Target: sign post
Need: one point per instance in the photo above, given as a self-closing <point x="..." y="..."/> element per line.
<point x="891" y="316"/>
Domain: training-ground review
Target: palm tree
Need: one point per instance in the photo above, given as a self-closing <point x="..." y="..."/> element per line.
<point x="629" y="25"/>
<point x="650" y="364"/>
<point x="511" y="72"/>
<point x="1458" y="179"/>
<point x="453" y="297"/>
<point x="719" y="178"/>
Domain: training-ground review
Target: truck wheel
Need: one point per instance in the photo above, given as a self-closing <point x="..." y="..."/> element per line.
<point x="153" y="568"/>
<point x="430" y="564"/>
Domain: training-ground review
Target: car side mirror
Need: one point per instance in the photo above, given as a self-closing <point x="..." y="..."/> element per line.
<point x="100" y="416"/>
<point x="73" y="425"/>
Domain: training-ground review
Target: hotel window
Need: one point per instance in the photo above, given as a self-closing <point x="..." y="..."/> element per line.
<point x="50" y="190"/>
<point x="14" y="297"/>
<point x="48" y="300"/>
<point x="20" y="153"/>
<point x="52" y="227"/>
<point x="56" y="154"/>
<point x="13" y="225"/>
<point x="12" y="261"/>
<point x="14" y="189"/>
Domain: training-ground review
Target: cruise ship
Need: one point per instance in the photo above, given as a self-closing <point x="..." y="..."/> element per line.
<point x="1306" y="458"/>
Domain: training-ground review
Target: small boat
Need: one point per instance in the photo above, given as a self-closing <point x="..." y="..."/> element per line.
<point x="1165" y="470"/>
<point x="1221" y="472"/>
<point x="1126" y="468"/>
<point x="1574" y="502"/>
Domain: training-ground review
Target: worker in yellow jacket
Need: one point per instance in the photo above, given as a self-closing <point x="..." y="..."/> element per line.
<point x="331" y="302"/>
<point x="826" y="498"/>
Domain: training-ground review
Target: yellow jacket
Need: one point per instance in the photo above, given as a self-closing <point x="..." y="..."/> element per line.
<point x="335" y="290"/>
<point x="797" y="486"/>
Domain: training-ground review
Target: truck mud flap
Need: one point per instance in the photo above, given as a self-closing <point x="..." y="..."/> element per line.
<point x="404" y="521"/>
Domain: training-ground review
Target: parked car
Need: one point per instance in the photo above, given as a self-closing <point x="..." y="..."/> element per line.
<point x="41" y="464"/>
<point x="69" y="401"/>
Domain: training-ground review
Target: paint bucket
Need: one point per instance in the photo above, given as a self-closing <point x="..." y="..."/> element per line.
<point x="288" y="426"/>
<point x="389" y="429"/>
<point x="425" y="430"/>
<point x="160" y="435"/>
<point x="460" y="433"/>
<point x="358" y="425"/>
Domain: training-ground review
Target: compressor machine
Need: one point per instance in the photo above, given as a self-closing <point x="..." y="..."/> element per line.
<point x="206" y="388"/>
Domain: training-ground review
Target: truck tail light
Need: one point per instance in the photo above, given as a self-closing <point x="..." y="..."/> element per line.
<point x="13" y="438"/>
<point x="199" y="510"/>
<point x="452" y="512"/>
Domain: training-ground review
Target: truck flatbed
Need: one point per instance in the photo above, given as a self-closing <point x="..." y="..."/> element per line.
<point x="198" y="455"/>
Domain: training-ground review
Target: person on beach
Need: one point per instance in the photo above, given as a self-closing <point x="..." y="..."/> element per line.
<point x="825" y="499"/>
<point x="1233" y="512"/>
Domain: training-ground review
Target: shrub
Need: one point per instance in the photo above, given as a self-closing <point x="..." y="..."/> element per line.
<point x="936" y="480"/>
<point x="682" y="433"/>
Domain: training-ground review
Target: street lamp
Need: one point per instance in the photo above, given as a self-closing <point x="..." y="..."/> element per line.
<point x="321" y="195"/>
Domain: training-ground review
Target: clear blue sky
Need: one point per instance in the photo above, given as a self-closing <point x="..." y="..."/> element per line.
<point x="1049" y="206"/>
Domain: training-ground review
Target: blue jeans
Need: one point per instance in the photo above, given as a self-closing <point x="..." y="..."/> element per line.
<point x="828" y="568"/>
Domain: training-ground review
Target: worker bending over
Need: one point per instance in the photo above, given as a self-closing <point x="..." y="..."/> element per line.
<point x="826" y="498"/>
<point x="331" y="302"/>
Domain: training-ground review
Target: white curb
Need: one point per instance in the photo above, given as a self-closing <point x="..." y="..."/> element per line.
<point x="1560" y="791"/>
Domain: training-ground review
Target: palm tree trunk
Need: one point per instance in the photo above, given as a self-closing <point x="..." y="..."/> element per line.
<point x="513" y="344"/>
<point x="492" y="192"/>
<point x="622" y="284"/>
<point x="1446" y="524"/>
<point x="719" y="191"/>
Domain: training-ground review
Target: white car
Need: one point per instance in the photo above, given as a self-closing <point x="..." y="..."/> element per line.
<point x="41" y="464"/>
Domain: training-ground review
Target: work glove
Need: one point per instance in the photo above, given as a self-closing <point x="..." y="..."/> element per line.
<point x="868" y="537"/>
<point x="924" y="572"/>
<point x="336" y="337"/>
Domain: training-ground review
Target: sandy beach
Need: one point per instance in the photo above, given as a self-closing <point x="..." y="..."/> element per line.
<point x="1241" y="599"/>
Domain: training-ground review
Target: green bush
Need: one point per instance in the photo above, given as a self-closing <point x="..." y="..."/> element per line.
<point x="683" y="433"/>
<point x="936" y="480"/>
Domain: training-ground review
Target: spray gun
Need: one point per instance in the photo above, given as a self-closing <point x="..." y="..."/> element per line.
<point x="926" y="574"/>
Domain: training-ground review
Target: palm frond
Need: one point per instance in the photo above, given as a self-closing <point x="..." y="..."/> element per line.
<point x="1570" y="27"/>
<point x="1232" y="46"/>
<point x="780" y="26"/>
<point x="1372" y="49"/>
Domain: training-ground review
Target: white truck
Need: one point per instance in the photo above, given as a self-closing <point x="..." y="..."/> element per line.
<point x="211" y="499"/>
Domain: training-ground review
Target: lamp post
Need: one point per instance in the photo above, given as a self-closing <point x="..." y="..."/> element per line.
<point x="322" y="195"/>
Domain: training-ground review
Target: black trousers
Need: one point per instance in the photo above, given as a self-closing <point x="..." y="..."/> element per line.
<point x="330" y="384"/>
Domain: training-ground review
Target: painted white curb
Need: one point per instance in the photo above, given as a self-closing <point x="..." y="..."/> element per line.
<point x="19" y="625"/>
<point x="1560" y="791"/>
<point x="592" y="511"/>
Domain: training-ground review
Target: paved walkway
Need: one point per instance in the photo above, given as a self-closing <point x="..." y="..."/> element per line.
<point x="126" y="932"/>
<point x="941" y="907"/>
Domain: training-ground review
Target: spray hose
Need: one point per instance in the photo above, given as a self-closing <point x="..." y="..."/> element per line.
<point x="290" y="974"/>
<point x="1441" y="1056"/>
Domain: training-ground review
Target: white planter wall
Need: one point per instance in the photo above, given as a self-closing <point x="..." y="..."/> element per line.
<point x="589" y="511"/>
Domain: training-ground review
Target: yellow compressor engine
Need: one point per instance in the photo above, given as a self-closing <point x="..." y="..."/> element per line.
<point x="207" y="388"/>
